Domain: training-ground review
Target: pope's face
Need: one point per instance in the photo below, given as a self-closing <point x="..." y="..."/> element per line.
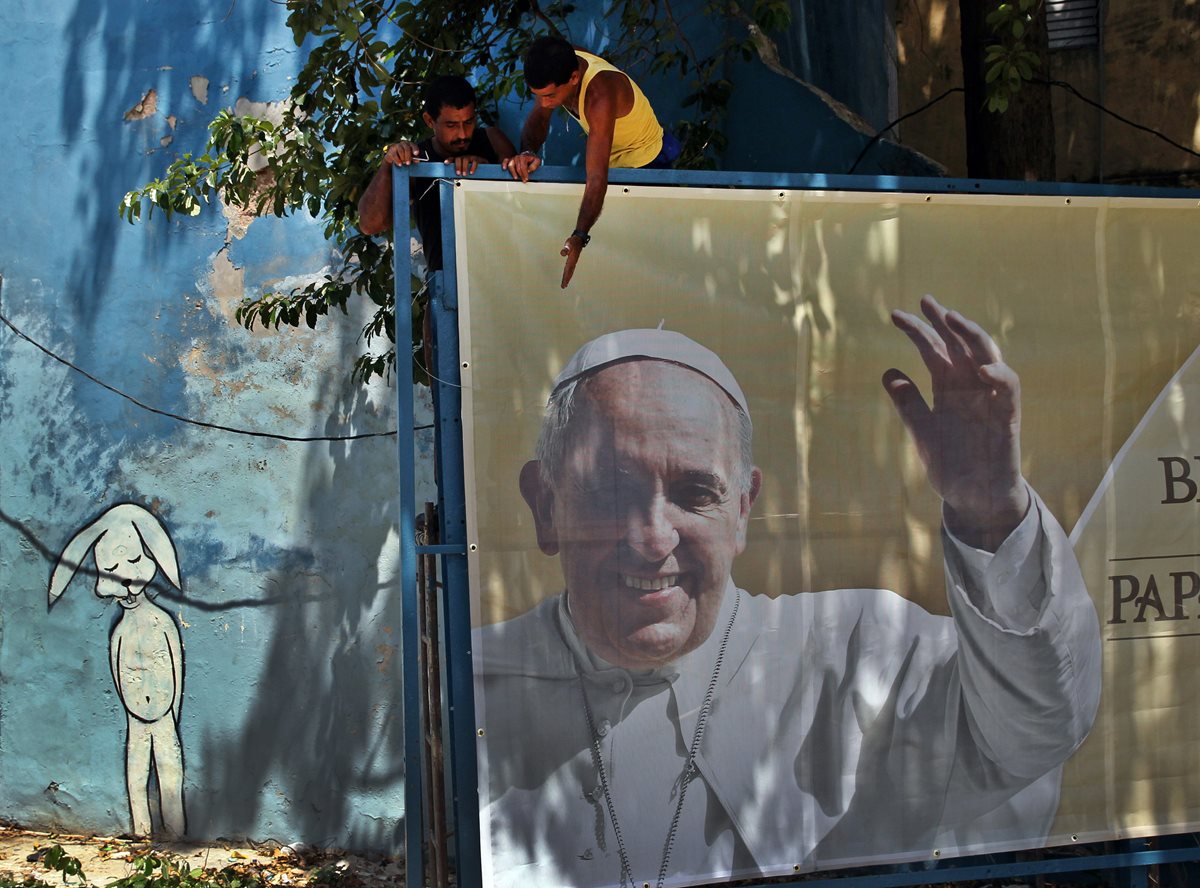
<point x="648" y="512"/>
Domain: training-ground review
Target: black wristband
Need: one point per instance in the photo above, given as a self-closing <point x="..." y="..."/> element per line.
<point x="583" y="236"/>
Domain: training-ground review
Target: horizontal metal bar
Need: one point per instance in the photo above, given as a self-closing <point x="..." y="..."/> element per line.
<point x="972" y="872"/>
<point x="1071" y="30"/>
<point x="820" y="182"/>
<point x="1073" y="12"/>
<point x="443" y="549"/>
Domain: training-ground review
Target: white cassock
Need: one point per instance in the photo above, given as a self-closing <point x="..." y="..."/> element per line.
<point x="846" y="726"/>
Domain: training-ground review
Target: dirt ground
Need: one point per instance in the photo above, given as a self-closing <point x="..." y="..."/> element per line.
<point x="106" y="859"/>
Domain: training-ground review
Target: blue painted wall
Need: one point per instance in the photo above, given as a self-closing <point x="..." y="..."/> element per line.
<point x="772" y="123"/>
<point x="289" y="720"/>
<point x="287" y="610"/>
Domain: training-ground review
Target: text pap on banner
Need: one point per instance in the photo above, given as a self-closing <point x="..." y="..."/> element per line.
<point x="817" y="529"/>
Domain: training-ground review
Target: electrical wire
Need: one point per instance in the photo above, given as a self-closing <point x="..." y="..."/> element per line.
<point x="188" y="420"/>
<point x="879" y="135"/>
<point x="1061" y="84"/>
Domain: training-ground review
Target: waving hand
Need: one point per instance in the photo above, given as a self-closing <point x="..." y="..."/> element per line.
<point x="969" y="438"/>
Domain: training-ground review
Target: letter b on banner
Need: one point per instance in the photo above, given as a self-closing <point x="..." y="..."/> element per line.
<point x="1177" y="473"/>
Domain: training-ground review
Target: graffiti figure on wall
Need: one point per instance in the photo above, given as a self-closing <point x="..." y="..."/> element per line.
<point x="130" y="546"/>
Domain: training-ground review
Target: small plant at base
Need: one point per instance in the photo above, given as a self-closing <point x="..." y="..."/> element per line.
<point x="54" y="858"/>
<point x="7" y="880"/>
<point x="64" y="864"/>
<point x="157" y="871"/>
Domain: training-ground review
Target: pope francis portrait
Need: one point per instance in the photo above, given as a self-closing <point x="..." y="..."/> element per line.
<point x="655" y="724"/>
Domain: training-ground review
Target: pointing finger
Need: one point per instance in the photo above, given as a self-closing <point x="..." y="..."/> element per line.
<point x="569" y="268"/>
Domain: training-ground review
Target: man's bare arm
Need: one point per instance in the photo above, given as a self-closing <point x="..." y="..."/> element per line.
<point x="608" y="97"/>
<point x="501" y="144"/>
<point x="535" y="129"/>
<point x="533" y="136"/>
<point x="375" y="205"/>
<point x="599" y="148"/>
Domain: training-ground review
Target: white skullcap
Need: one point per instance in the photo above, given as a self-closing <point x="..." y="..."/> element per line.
<point x="655" y="345"/>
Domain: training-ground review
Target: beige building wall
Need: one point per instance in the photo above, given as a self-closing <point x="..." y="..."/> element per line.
<point x="1152" y="76"/>
<point x="1147" y="70"/>
<point x="929" y="62"/>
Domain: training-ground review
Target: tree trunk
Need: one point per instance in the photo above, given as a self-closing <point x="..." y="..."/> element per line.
<point x="1019" y="143"/>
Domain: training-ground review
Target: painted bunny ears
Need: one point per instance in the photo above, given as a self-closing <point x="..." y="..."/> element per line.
<point x="145" y="524"/>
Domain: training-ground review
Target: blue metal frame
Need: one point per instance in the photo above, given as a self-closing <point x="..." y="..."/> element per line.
<point x="453" y="531"/>
<point x="464" y="781"/>
<point x="969" y="870"/>
<point x="813" y="182"/>
<point x="414" y="808"/>
<point x="452" y="512"/>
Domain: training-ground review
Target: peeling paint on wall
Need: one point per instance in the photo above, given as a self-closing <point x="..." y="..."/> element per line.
<point x="199" y="87"/>
<point x="272" y="111"/>
<point x="227" y="282"/>
<point x="147" y="107"/>
<point x="237" y="218"/>
<point x="197" y="364"/>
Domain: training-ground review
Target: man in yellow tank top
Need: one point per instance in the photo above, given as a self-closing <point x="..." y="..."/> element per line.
<point x="621" y="128"/>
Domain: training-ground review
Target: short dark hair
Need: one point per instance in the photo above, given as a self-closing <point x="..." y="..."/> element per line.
<point x="549" y="60"/>
<point x="451" y="90"/>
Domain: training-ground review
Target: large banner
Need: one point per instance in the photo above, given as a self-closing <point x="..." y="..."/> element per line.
<point x="817" y="529"/>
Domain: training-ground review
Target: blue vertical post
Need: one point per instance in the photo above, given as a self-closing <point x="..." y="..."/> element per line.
<point x="414" y="806"/>
<point x="460" y="694"/>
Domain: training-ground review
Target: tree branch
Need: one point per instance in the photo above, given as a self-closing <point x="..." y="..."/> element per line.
<point x="768" y="54"/>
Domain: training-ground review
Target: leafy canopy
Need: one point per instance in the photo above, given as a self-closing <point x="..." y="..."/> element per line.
<point x="361" y="88"/>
